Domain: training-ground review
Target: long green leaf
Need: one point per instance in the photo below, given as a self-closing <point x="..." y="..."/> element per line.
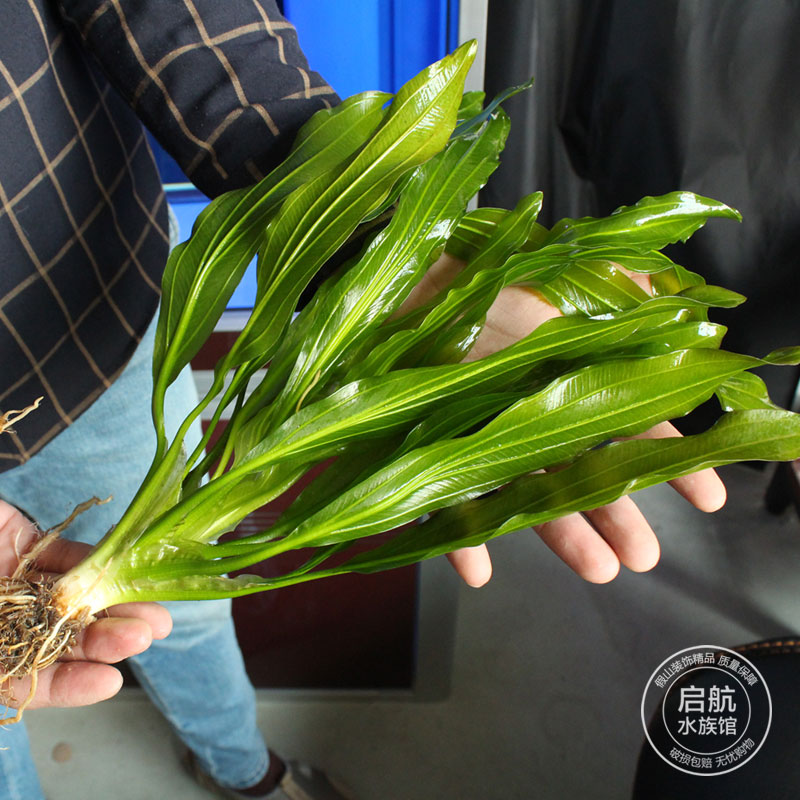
<point x="743" y="393"/>
<point x="471" y="104"/>
<point x="597" y="478"/>
<point x="473" y="231"/>
<point x="367" y="199"/>
<point x="391" y="405"/>
<point x="469" y="125"/>
<point x="371" y="290"/>
<point x="416" y="336"/>
<point x="591" y="287"/>
<point x="650" y="224"/>
<point x="465" y="413"/>
<point x="317" y="218"/>
<point x="357" y="461"/>
<point x="467" y="301"/>
<point x="202" y="272"/>
<point x="572" y="414"/>
<point x="377" y="406"/>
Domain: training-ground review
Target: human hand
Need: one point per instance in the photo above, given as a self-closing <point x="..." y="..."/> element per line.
<point x="594" y="544"/>
<point x="84" y="676"/>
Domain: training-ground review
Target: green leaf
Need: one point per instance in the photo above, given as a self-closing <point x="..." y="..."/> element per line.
<point x="202" y="273"/>
<point x="346" y="309"/>
<point x="744" y="392"/>
<point x="788" y="356"/>
<point x="214" y="509"/>
<point x="714" y="296"/>
<point x="418" y="330"/>
<point x="649" y="225"/>
<point x="591" y="287"/>
<point x="477" y="226"/>
<point x="344" y="423"/>
<point x="573" y="278"/>
<point x="456" y="418"/>
<point x="597" y="478"/>
<point x="395" y="261"/>
<point x="468" y="126"/>
<point x="572" y="414"/>
<point x="143" y="583"/>
<point x="354" y="463"/>
<point x="473" y="231"/>
<point x="317" y="218"/>
<point x="382" y="405"/>
<point x="667" y="339"/>
<point x="674" y="280"/>
<point x="471" y="104"/>
<point x="410" y="430"/>
<point x="508" y="235"/>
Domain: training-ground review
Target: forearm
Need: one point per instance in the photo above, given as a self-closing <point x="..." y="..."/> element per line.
<point x="223" y="86"/>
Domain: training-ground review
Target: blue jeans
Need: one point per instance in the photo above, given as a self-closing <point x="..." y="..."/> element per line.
<point x="196" y="675"/>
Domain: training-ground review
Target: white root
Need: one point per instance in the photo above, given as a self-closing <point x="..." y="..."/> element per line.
<point x="8" y="418"/>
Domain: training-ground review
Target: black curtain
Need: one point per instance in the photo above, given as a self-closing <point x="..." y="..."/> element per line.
<point x="643" y="97"/>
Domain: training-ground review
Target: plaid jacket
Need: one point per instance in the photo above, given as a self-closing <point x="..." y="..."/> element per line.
<point x="83" y="224"/>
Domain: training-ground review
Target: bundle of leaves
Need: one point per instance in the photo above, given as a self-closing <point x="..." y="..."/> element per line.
<point x="380" y="386"/>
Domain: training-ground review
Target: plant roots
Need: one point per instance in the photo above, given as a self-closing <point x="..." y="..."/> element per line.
<point x="33" y="635"/>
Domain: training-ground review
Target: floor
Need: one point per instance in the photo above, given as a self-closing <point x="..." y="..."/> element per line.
<point x="547" y="678"/>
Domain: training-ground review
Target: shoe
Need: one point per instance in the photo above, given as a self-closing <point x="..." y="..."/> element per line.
<point x="300" y="782"/>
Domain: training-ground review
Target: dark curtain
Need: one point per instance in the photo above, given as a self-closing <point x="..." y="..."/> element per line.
<point x="643" y="97"/>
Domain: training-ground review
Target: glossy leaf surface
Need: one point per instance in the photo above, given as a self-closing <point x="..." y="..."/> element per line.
<point x="317" y="218"/>
<point x="397" y="258"/>
<point x="368" y="198"/>
<point x="595" y="479"/>
<point x="572" y="414"/>
<point x="202" y="272"/>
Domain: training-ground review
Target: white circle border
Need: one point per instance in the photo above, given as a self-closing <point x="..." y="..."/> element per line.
<point x="644" y="720"/>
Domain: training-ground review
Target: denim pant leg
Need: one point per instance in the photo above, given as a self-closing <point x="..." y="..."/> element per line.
<point x="18" y="778"/>
<point x="196" y="676"/>
<point x="222" y="729"/>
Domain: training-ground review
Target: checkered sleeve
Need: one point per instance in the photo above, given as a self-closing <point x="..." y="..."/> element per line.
<point x="223" y="86"/>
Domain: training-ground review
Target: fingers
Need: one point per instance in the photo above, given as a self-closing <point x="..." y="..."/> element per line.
<point x="16" y="535"/>
<point x="112" y="639"/>
<point x="581" y="548"/>
<point x="85" y="676"/>
<point x="704" y="490"/>
<point x="596" y="545"/>
<point x="593" y="546"/>
<point x="626" y="531"/>
<point x="156" y="616"/>
<point x="128" y="630"/>
<point x="472" y="564"/>
<point x="68" y="684"/>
